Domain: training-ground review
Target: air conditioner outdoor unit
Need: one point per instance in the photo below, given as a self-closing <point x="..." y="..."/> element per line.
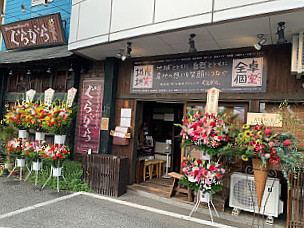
<point x="243" y="195"/>
<point x="297" y="63"/>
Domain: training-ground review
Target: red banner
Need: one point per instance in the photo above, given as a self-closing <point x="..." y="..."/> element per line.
<point x="90" y="116"/>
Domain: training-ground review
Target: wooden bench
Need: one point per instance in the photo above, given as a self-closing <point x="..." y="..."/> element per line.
<point x="177" y="188"/>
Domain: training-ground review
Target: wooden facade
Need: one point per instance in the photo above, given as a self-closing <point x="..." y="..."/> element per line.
<point x="280" y="85"/>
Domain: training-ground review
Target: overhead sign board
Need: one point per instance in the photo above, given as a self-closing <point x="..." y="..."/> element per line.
<point x="236" y="72"/>
<point x="38" y="31"/>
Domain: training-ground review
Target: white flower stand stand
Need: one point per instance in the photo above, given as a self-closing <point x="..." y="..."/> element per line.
<point x="204" y="198"/>
<point x="36" y="166"/>
<point x="19" y="162"/>
<point x="57" y="173"/>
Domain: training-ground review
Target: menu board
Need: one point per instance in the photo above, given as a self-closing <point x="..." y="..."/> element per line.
<point x="238" y="72"/>
<point x="90" y="116"/>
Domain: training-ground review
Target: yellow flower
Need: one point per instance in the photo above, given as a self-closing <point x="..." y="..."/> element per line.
<point x="244" y="157"/>
<point x="259" y="132"/>
<point x="247" y="133"/>
<point x="246" y="126"/>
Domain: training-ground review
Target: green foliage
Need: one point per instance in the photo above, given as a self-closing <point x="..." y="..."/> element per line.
<point x="72" y="172"/>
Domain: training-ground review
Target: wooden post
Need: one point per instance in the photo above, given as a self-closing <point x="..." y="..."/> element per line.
<point x="3" y="89"/>
<point x="108" y="103"/>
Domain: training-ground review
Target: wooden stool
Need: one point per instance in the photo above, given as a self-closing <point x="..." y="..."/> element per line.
<point x="147" y="174"/>
<point x="161" y="166"/>
<point x="176" y="187"/>
<point x="154" y="168"/>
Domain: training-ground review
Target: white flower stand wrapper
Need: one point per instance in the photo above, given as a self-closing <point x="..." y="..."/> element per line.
<point x="204" y="198"/>
<point x="19" y="162"/>
<point x="36" y="166"/>
<point x="57" y="173"/>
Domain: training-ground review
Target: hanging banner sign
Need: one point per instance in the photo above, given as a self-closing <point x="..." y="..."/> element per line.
<point x="48" y="96"/>
<point x="89" y="122"/>
<point x="238" y="72"/>
<point x="212" y="100"/>
<point x="269" y="119"/>
<point x="29" y="95"/>
<point x="33" y="32"/>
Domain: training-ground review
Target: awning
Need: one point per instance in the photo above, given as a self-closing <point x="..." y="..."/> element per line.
<point x="22" y="56"/>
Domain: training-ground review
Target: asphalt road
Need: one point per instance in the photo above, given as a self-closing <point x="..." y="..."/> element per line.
<point x="24" y="205"/>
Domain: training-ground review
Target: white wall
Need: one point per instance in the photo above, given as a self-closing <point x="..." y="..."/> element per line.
<point x="101" y="21"/>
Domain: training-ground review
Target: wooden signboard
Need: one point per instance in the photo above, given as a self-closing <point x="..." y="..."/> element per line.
<point x="269" y="119"/>
<point x="89" y="122"/>
<point x="38" y="31"/>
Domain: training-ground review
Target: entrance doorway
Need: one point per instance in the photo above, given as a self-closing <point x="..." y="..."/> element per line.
<point x="157" y="134"/>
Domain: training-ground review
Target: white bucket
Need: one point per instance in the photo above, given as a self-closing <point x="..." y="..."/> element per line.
<point x="39" y="136"/>
<point x="205" y="197"/>
<point x="57" y="172"/>
<point x="20" y="162"/>
<point x="22" y="134"/>
<point x="37" y="166"/>
<point x="205" y="156"/>
<point x="59" y="139"/>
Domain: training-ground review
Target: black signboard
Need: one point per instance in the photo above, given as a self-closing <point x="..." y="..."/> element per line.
<point x="241" y="72"/>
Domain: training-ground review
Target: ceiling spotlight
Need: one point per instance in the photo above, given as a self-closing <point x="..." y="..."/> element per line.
<point x="28" y="72"/>
<point x="45" y="3"/>
<point x="262" y="41"/>
<point x="2" y="14"/>
<point x="23" y="10"/>
<point x="120" y="54"/>
<point x="48" y="70"/>
<point x="191" y="42"/>
<point x="280" y="33"/>
<point x="129" y="50"/>
<point x="10" y="72"/>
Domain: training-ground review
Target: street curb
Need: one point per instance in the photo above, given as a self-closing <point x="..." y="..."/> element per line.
<point x="241" y="220"/>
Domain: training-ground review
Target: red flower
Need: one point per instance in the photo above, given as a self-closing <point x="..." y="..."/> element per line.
<point x="287" y="143"/>
<point x="212" y="168"/>
<point x="212" y="124"/>
<point x="195" y="172"/>
<point x="218" y="175"/>
<point x="267" y="131"/>
<point x="199" y="161"/>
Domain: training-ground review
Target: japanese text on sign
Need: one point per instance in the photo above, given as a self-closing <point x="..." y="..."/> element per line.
<point x="247" y="72"/>
<point x="90" y="118"/>
<point x="242" y="72"/>
<point x="33" y="32"/>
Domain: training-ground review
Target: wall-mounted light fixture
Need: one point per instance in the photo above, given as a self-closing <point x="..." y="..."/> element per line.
<point x="129" y="50"/>
<point x="10" y="72"/>
<point x="28" y="72"/>
<point x="71" y="68"/>
<point x="48" y="71"/>
<point x="262" y="41"/>
<point x="23" y="10"/>
<point x="191" y="43"/>
<point x="47" y="2"/>
<point x="280" y="33"/>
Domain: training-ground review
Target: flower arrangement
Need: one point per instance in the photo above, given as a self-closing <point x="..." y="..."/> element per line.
<point x="37" y="117"/>
<point x="202" y="175"/>
<point x="17" y="147"/>
<point x="35" y="150"/>
<point x="17" y="116"/>
<point x="55" y="154"/>
<point x="58" y="119"/>
<point x="257" y="142"/>
<point x="208" y="131"/>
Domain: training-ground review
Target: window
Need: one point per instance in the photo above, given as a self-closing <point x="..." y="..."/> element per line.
<point x="39" y="81"/>
<point x="63" y="81"/>
<point x="17" y="83"/>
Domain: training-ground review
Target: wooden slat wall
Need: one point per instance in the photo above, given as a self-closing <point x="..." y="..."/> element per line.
<point x="295" y="202"/>
<point x="105" y="174"/>
<point x="126" y="151"/>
